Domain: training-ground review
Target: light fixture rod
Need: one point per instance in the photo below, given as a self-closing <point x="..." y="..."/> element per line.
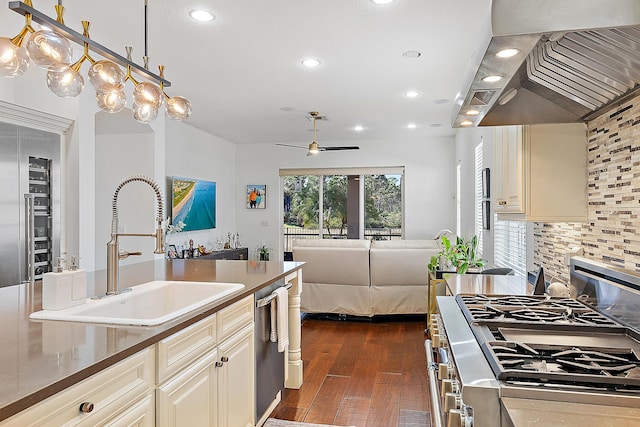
<point x="41" y="18"/>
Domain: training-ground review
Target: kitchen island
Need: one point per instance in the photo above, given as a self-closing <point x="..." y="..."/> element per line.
<point x="41" y="358"/>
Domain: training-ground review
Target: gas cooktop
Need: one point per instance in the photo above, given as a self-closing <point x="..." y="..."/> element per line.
<point x="540" y="310"/>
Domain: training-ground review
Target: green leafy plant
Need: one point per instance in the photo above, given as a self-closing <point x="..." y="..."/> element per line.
<point x="263" y="252"/>
<point x="462" y="256"/>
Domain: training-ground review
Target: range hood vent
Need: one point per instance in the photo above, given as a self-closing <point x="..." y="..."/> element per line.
<point x="572" y="62"/>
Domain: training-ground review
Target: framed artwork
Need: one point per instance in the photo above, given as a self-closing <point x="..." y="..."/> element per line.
<point x="486" y="215"/>
<point x="193" y="202"/>
<point x="256" y="196"/>
<point x="486" y="183"/>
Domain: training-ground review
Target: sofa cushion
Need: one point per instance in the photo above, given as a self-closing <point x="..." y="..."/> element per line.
<point x="334" y="261"/>
<point x="401" y="262"/>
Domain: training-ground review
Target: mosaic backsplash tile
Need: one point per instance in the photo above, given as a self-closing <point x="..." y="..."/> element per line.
<point x="611" y="234"/>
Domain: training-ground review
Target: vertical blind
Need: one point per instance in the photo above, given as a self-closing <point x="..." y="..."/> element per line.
<point x="478" y="197"/>
<point x="510" y="245"/>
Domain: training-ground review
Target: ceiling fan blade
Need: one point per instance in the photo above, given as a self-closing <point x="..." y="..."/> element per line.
<point x="349" y="147"/>
<point x="288" y="145"/>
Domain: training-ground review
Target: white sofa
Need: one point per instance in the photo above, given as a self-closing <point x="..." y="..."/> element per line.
<point x="363" y="277"/>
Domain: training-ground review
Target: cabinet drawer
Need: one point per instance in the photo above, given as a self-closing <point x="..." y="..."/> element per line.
<point x="233" y="318"/>
<point x="183" y="348"/>
<point x="109" y="391"/>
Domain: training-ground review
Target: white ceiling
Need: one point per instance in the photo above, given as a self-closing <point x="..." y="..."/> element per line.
<point x="243" y="76"/>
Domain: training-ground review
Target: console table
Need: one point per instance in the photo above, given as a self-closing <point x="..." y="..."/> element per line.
<point x="237" y="254"/>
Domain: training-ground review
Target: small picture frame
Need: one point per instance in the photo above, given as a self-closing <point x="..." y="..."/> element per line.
<point x="172" y="253"/>
<point x="486" y="183"/>
<point x="256" y="196"/>
<point x="486" y="215"/>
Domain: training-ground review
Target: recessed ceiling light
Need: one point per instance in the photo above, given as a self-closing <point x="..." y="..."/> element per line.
<point x="358" y="128"/>
<point x="412" y="126"/>
<point x="472" y="112"/>
<point x="507" y="53"/>
<point x="492" y="79"/>
<point x="411" y="94"/>
<point x="202" y="15"/>
<point x="466" y="123"/>
<point x="412" y="54"/>
<point x="382" y="1"/>
<point x="310" y="62"/>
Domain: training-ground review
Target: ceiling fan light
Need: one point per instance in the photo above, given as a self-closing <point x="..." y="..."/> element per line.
<point x="64" y="81"/>
<point x="313" y="149"/>
<point x="46" y="49"/>
<point x="178" y="108"/>
<point x="105" y="75"/>
<point x="14" y="60"/>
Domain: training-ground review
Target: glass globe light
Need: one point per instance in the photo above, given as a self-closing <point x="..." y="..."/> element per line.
<point x="64" y="81"/>
<point x="14" y="60"/>
<point x="178" y="108"/>
<point x="46" y="49"/>
<point x="148" y="93"/>
<point x="105" y="75"/>
<point x="111" y="100"/>
<point x="144" y="113"/>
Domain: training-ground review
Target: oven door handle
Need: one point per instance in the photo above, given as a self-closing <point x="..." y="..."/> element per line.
<point x="432" y="371"/>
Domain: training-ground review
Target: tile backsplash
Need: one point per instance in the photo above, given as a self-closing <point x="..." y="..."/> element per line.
<point x="612" y="232"/>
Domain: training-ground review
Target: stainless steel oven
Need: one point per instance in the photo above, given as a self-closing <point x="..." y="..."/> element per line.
<point x="501" y="360"/>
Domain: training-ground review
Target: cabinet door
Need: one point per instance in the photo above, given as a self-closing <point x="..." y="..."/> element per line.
<point x="236" y="380"/>
<point x="189" y="398"/>
<point x="509" y="166"/>
<point x="141" y="414"/>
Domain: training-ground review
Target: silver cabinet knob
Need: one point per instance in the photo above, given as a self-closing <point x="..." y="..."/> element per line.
<point x="86" y="407"/>
<point x="219" y="364"/>
<point x="224" y="359"/>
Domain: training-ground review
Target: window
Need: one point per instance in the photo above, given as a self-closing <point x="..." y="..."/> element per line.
<point x="510" y="245"/>
<point x="352" y="203"/>
<point x="479" y="226"/>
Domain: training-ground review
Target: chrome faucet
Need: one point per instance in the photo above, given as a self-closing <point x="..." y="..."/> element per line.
<point x="114" y="255"/>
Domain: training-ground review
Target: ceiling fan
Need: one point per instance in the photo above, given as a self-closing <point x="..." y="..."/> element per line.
<point x="314" y="148"/>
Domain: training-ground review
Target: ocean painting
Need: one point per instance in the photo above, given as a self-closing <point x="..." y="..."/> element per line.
<point x="194" y="203"/>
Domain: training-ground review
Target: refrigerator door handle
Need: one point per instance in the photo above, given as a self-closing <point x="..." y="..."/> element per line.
<point x="30" y="239"/>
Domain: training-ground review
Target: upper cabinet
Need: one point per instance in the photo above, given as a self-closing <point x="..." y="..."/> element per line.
<point x="540" y="173"/>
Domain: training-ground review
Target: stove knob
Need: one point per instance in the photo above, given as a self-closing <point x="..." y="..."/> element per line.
<point x="437" y="340"/>
<point x="456" y="418"/>
<point x="447" y="387"/>
<point x="444" y="371"/>
<point x="452" y="401"/>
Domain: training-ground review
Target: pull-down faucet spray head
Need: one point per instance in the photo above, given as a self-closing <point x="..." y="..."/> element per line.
<point x="113" y="251"/>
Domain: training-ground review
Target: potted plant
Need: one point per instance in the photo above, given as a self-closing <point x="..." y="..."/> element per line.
<point x="462" y="256"/>
<point x="263" y="252"/>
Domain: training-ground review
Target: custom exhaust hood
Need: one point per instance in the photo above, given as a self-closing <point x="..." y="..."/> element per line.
<point x="569" y="60"/>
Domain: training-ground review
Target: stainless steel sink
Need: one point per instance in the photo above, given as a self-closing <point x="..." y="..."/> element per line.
<point x="147" y="304"/>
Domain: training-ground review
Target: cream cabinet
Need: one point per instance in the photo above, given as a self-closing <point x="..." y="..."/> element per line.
<point x="206" y="371"/>
<point x="236" y="383"/>
<point x="540" y="173"/>
<point x="120" y="395"/>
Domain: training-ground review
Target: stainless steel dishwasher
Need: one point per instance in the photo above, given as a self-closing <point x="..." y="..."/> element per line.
<point x="269" y="362"/>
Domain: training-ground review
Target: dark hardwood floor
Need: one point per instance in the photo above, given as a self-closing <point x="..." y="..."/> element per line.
<point x="365" y="373"/>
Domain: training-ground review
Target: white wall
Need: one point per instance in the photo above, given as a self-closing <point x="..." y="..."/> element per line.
<point x="119" y="155"/>
<point x="429" y="182"/>
<point x="466" y="141"/>
<point x="193" y="153"/>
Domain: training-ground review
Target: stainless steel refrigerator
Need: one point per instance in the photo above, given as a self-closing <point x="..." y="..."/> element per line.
<point x="29" y="203"/>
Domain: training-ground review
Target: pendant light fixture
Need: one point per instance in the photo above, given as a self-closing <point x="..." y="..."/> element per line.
<point x="50" y="48"/>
